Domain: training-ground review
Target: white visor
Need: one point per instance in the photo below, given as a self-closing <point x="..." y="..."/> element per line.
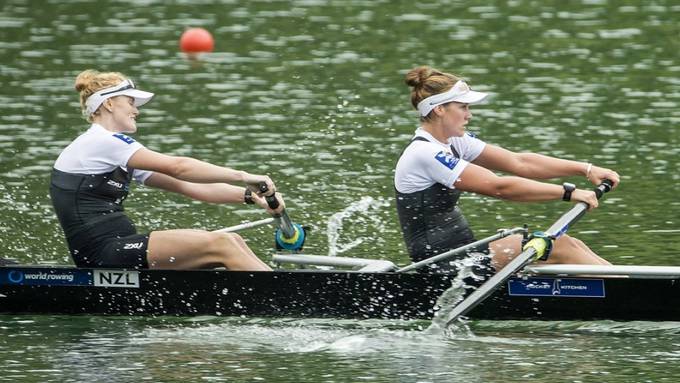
<point x="125" y="88"/>
<point x="459" y="92"/>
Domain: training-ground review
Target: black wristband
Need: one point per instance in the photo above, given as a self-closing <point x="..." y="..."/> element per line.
<point x="568" y="188"/>
<point x="248" y="197"/>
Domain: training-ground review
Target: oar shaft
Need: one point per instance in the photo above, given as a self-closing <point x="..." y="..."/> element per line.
<point x="453" y="252"/>
<point x="562" y="224"/>
<point x="490" y="285"/>
<point x="244" y="226"/>
<point x="285" y="224"/>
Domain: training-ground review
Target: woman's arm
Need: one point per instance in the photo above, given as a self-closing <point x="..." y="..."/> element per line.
<point x="193" y="170"/>
<point x="480" y="180"/>
<point x="528" y="165"/>
<point x="212" y="193"/>
<point x="538" y="166"/>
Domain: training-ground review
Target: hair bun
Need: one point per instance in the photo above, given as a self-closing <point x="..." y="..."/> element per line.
<point x="84" y="79"/>
<point x="416" y="77"/>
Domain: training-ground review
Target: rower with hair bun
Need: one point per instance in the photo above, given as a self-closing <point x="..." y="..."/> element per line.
<point x="92" y="176"/>
<point x="443" y="160"/>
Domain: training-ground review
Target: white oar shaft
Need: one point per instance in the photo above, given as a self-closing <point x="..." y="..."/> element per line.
<point x="562" y="224"/>
<point x="491" y="284"/>
<point x="449" y="254"/>
<point x="285" y="224"/>
<point x="244" y="226"/>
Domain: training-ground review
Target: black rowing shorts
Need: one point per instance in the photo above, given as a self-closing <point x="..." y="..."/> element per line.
<point x="128" y="251"/>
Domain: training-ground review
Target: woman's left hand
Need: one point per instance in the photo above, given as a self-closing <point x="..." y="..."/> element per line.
<point x="587" y="196"/>
<point x="262" y="202"/>
<point x="253" y="182"/>
<point x="598" y="174"/>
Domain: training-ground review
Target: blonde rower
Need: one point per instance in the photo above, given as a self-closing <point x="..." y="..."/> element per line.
<point x="92" y="176"/>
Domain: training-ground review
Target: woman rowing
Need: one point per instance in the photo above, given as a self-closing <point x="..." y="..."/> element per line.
<point x="91" y="179"/>
<point x="443" y="160"/>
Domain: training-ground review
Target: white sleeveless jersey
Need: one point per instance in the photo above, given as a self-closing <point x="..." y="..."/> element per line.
<point x="425" y="163"/>
<point x="99" y="151"/>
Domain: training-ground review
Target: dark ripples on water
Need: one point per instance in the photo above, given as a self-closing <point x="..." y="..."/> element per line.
<point x="334" y="351"/>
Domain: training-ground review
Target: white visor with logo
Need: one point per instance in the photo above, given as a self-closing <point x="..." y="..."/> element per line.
<point x="459" y="92"/>
<point x="125" y="88"/>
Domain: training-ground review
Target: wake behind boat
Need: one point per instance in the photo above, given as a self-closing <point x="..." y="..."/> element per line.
<point x="557" y="292"/>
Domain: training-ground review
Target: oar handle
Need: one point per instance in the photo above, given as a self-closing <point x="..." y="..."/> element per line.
<point x="271" y="199"/>
<point x="602" y="188"/>
<point x="282" y="219"/>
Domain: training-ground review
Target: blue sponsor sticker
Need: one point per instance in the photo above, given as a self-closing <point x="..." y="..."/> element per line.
<point x="556" y="287"/>
<point x="45" y="277"/>
<point x="127" y="139"/>
<point x="447" y="159"/>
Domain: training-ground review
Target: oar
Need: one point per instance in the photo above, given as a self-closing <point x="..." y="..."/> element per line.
<point x="536" y="248"/>
<point x="245" y="225"/>
<point x="453" y="252"/>
<point x="289" y="236"/>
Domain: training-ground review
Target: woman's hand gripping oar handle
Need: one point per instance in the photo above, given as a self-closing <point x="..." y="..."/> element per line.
<point x="542" y="242"/>
<point x="289" y="235"/>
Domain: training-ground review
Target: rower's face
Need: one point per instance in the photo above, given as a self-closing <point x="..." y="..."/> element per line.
<point x="124" y="113"/>
<point x="455" y="118"/>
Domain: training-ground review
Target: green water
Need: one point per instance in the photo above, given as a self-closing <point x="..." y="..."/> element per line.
<point x="311" y="92"/>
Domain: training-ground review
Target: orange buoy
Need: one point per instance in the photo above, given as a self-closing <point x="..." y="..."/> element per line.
<point x="195" y="40"/>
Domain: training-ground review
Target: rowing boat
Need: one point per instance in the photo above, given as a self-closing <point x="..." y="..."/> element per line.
<point x="559" y="292"/>
<point x="371" y="289"/>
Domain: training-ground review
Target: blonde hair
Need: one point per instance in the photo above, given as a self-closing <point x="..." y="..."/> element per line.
<point x="90" y="81"/>
<point x="426" y="81"/>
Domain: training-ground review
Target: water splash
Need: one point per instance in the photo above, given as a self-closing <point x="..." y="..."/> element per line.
<point x="452" y="297"/>
<point x="361" y="208"/>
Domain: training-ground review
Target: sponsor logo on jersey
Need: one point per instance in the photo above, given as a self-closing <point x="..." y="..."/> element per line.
<point x="127" y="139"/>
<point x="447" y="159"/>
<point x="131" y="246"/>
<point x="115" y="184"/>
<point x="471" y="134"/>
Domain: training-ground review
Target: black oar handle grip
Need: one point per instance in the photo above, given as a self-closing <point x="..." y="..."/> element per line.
<point x="271" y="199"/>
<point x="604" y="187"/>
<point x="272" y="202"/>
